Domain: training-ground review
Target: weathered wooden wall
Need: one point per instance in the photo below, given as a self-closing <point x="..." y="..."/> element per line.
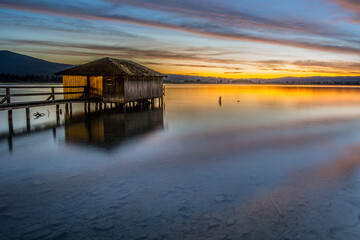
<point x="113" y="89"/>
<point x="142" y="88"/>
<point x="116" y="89"/>
<point x="69" y="81"/>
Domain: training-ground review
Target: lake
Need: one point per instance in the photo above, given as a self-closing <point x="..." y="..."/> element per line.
<point x="265" y="162"/>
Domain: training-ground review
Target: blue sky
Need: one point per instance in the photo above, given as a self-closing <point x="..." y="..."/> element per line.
<point x="237" y="39"/>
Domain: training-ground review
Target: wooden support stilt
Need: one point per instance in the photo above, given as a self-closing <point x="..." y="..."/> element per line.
<point x="27" y="110"/>
<point x="54" y="133"/>
<point x="57" y="114"/>
<point x="11" y="130"/>
<point x="89" y="107"/>
<point x="10" y="143"/>
<point x="96" y="106"/>
<point x="85" y="108"/>
<point x="67" y="108"/>
<point x="71" y="109"/>
<point x="10" y="122"/>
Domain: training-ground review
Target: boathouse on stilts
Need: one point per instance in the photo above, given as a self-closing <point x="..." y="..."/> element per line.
<point x="116" y="81"/>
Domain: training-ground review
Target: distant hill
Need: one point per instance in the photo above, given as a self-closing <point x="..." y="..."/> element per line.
<point x="341" y="80"/>
<point x="21" y="65"/>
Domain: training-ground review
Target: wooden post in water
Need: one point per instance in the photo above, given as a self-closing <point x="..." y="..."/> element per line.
<point x="27" y="110"/>
<point x="67" y="108"/>
<point x="54" y="133"/>
<point x="10" y="122"/>
<point x="89" y="107"/>
<point x="11" y="128"/>
<point x="10" y="143"/>
<point x="57" y="114"/>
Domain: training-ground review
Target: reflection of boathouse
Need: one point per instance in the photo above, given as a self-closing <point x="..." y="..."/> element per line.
<point x="114" y="81"/>
<point x="109" y="129"/>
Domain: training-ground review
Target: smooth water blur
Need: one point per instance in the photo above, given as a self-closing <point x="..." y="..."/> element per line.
<point x="265" y="162"/>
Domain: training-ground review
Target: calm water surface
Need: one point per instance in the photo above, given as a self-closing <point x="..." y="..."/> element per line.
<point x="268" y="162"/>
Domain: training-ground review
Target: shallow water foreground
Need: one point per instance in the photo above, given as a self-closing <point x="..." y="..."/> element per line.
<point x="269" y="162"/>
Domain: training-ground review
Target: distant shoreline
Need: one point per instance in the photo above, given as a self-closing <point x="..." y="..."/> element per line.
<point x="200" y="83"/>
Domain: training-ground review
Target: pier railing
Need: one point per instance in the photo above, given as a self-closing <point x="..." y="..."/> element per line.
<point x="6" y="98"/>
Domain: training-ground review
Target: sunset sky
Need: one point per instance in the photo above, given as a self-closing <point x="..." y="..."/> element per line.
<point x="230" y="38"/>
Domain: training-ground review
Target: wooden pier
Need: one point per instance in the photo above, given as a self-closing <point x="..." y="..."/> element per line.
<point x="52" y="98"/>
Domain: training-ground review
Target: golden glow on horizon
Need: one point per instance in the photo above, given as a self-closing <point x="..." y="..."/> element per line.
<point x="257" y="74"/>
<point x="247" y="72"/>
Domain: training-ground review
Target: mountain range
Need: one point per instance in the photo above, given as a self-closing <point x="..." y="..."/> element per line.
<point x="21" y="65"/>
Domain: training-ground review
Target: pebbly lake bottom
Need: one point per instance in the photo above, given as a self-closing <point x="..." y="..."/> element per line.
<point x="270" y="162"/>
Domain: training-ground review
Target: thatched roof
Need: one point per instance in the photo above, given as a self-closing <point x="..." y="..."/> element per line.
<point x="111" y="67"/>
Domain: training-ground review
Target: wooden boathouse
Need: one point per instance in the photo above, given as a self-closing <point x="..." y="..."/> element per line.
<point x="112" y="80"/>
<point x="107" y="82"/>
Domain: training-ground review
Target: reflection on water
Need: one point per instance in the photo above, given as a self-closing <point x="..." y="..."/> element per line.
<point x="108" y="129"/>
<point x="272" y="162"/>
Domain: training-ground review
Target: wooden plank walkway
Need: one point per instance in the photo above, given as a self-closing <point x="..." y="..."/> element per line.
<point x="31" y="104"/>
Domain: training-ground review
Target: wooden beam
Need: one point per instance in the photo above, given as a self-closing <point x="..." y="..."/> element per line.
<point x="28" y="104"/>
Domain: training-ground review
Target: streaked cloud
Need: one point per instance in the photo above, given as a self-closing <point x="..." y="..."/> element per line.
<point x="229" y="38"/>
